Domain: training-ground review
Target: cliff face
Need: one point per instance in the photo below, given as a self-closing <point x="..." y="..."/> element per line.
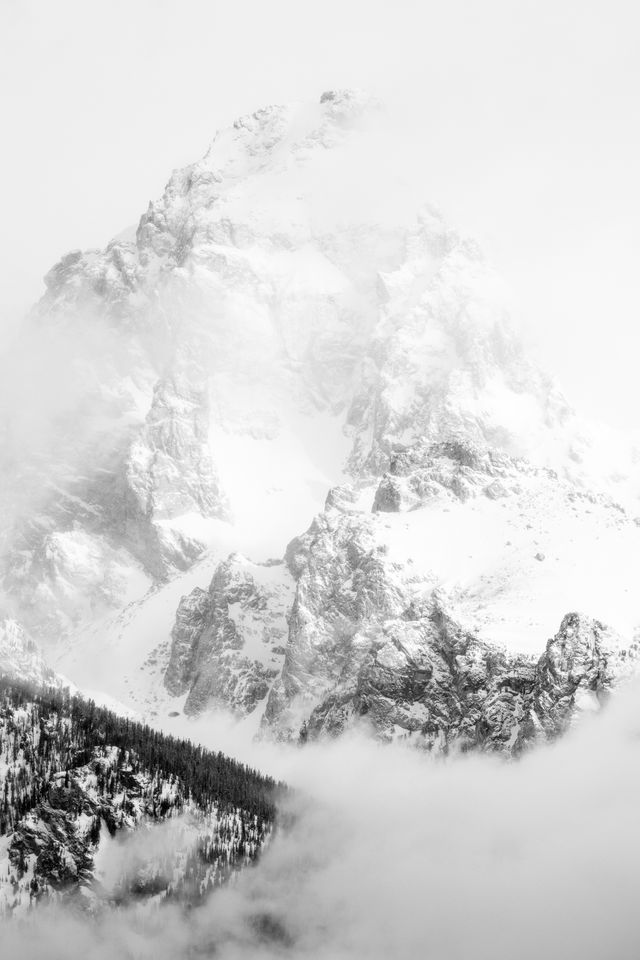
<point x="21" y="658"/>
<point x="419" y="606"/>
<point x="444" y="689"/>
<point x="227" y="642"/>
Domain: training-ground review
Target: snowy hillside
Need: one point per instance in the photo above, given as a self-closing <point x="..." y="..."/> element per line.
<point x="288" y="338"/>
<point x="103" y="810"/>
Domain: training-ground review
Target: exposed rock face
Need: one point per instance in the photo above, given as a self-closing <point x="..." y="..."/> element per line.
<point x="371" y="632"/>
<point x="113" y="532"/>
<point x="251" y="347"/>
<point x="343" y="594"/>
<point x="169" y="473"/>
<point x="111" y="276"/>
<point x="20" y="656"/>
<point x="228" y="642"/>
<point x="371" y="642"/>
<point x="54" y="851"/>
<point x="376" y="637"/>
<point x="442" y="359"/>
<point x="369" y="645"/>
<point x="54" y="848"/>
<point x="578" y="670"/>
<point x="454" y="467"/>
<point x="442" y="687"/>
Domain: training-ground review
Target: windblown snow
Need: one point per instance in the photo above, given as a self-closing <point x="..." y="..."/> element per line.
<point x="289" y="318"/>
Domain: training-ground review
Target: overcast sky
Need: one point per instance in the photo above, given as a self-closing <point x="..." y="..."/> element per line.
<point x="528" y="111"/>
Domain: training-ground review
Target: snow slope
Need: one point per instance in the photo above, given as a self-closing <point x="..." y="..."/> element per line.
<point x="289" y="316"/>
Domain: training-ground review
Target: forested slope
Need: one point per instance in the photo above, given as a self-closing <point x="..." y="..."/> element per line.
<point x="75" y="779"/>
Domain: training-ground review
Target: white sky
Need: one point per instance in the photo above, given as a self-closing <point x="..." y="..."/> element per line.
<point x="527" y="112"/>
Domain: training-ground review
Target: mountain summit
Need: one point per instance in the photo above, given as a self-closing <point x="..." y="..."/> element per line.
<point x="295" y="333"/>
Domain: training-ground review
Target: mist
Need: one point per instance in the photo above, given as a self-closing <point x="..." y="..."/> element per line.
<point x="388" y="852"/>
<point x="525" y="112"/>
<point x="517" y="123"/>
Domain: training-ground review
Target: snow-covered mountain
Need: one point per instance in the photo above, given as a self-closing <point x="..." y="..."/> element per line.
<point x="20" y="656"/>
<point x="290" y="334"/>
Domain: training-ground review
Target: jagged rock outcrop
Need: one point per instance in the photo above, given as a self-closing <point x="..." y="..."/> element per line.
<point x="375" y="631"/>
<point x="228" y="641"/>
<point x="169" y="473"/>
<point x="343" y="594"/>
<point x="456" y="466"/>
<point x="578" y="670"/>
<point x="20" y="656"/>
<point x="445" y="689"/>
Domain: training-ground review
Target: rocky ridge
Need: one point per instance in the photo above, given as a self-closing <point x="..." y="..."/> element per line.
<point x="21" y="658"/>
<point x="372" y="637"/>
<point x="227" y="641"/>
<point x="446" y="690"/>
<point x="276" y="328"/>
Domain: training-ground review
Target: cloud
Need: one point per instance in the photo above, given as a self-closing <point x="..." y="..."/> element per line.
<point x="389" y="853"/>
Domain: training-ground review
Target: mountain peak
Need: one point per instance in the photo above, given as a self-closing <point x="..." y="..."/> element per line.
<point x="287" y="321"/>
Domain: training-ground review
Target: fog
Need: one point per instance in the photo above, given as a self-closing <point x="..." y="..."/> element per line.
<point x="393" y="854"/>
<point x="526" y="112"/>
<point x="518" y="121"/>
<point x="61" y="401"/>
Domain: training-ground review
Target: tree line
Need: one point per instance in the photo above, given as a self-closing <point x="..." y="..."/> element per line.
<point x="70" y="727"/>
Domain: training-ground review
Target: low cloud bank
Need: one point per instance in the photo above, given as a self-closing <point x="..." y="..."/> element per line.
<point x="393" y="854"/>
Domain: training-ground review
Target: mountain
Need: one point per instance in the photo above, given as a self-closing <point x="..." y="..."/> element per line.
<point x="422" y="602"/>
<point x="100" y="810"/>
<point x="294" y="340"/>
<point x="20" y="656"/>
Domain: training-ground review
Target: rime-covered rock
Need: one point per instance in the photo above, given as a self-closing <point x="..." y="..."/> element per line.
<point x="277" y="335"/>
<point x="376" y="637"/>
<point x="454" y="467"/>
<point x="578" y="670"/>
<point x="227" y="642"/>
<point x="430" y="681"/>
<point x="169" y="472"/>
<point x="21" y="658"/>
